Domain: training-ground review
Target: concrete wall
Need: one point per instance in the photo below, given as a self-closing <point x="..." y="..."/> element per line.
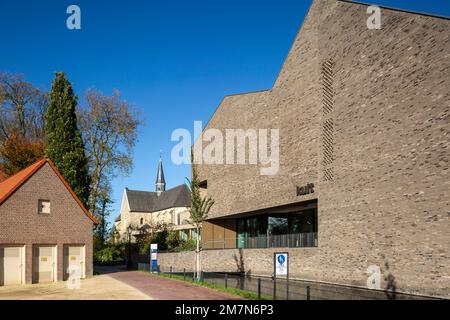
<point x="67" y="223"/>
<point x="383" y="190"/>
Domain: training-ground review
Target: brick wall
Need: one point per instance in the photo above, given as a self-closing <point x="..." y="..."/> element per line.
<point x="387" y="199"/>
<point x="21" y="224"/>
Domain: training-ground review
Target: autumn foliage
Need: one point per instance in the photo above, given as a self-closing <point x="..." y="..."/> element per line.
<point x="17" y="153"/>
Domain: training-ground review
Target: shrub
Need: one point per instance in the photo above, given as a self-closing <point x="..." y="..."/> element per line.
<point x="110" y="254"/>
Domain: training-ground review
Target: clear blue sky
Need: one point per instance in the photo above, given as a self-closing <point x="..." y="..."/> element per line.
<point x="173" y="60"/>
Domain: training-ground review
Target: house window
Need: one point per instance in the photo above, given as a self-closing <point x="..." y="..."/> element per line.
<point x="44" y="207"/>
<point x="142" y="221"/>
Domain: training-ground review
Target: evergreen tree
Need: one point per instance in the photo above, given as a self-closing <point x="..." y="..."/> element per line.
<point x="64" y="144"/>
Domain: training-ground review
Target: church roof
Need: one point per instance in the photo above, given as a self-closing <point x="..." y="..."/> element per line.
<point x="144" y="201"/>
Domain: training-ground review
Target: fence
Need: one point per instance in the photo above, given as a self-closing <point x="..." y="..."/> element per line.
<point x="286" y="289"/>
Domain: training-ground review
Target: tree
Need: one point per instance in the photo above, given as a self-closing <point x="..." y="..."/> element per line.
<point x="64" y="144"/>
<point x="109" y="128"/>
<point x="104" y="212"/>
<point x="18" y="153"/>
<point x="22" y="108"/>
<point x="199" y="211"/>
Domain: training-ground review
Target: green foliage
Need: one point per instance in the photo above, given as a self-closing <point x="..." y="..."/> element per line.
<point x="186" y="245"/>
<point x="173" y="239"/>
<point x="160" y="238"/>
<point x="200" y="207"/>
<point x="110" y="254"/>
<point x="64" y="144"/>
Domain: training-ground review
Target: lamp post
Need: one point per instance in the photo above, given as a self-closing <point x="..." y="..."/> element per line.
<point x="129" y="230"/>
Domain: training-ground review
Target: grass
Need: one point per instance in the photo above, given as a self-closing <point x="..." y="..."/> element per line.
<point x="237" y="292"/>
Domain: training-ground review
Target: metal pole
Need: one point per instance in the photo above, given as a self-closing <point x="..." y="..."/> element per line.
<point x="184" y="274"/>
<point x="129" y="252"/>
<point x="308" y="293"/>
<point x="287" y="287"/>
<point x="170" y="271"/>
<point x="274" y="288"/>
<point x="259" y="288"/>
<point x="226" y="280"/>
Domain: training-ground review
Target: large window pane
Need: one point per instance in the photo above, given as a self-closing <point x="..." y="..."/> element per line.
<point x="278" y="224"/>
<point x="297" y="229"/>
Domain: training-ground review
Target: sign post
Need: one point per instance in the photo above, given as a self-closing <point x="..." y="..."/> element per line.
<point x="154" y="258"/>
<point x="281" y="264"/>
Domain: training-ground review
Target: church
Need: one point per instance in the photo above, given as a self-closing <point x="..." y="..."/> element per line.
<point x="145" y="210"/>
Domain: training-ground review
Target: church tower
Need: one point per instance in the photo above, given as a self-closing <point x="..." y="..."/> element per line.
<point x="160" y="181"/>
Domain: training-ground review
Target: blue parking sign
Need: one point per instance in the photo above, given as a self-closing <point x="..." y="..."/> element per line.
<point x="281" y="264"/>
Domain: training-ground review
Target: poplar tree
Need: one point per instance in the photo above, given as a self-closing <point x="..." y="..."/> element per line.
<point x="64" y="144"/>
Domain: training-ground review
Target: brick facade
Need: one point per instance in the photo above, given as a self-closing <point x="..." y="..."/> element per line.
<point x="377" y="150"/>
<point x="20" y="223"/>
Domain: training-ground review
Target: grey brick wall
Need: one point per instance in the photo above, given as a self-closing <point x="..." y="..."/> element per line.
<point x="388" y="201"/>
<point x="21" y="224"/>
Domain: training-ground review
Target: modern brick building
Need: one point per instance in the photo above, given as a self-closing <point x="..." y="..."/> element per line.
<point x="364" y="125"/>
<point x="45" y="231"/>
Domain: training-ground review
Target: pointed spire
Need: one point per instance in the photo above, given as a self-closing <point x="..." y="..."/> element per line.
<point x="160" y="181"/>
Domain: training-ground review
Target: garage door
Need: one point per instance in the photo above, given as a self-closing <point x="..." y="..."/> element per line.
<point x="11" y="265"/>
<point x="73" y="261"/>
<point x="44" y="265"/>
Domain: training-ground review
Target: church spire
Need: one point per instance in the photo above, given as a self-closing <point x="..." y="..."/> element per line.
<point x="160" y="181"/>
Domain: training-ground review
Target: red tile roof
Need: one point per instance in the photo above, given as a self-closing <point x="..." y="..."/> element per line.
<point x="10" y="185"/>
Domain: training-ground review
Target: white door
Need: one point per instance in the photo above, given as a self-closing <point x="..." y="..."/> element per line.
<point x="44" y="264"/>
<point x="73" y="261"/>
<point x="11" y="265"/>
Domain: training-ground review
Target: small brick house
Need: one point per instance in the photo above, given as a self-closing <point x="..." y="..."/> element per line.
<point x="45" y="231"/>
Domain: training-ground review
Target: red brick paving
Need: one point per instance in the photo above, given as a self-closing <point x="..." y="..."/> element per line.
<point x="160" y="288"/>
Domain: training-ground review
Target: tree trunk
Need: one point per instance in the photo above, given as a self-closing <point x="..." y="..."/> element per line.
<point x="197" y="255"/>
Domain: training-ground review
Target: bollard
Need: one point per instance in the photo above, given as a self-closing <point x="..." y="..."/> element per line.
<point x="259" y="288"/>
<point x="226" y="280"/>
<point x="184" y="274"/>
<point x="308" y="293"/>
<point x="170" y="272"/>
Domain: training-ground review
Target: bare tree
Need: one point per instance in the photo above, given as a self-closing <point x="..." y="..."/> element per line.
<point x="22" y="108"/>
<point x="109" y="128"/>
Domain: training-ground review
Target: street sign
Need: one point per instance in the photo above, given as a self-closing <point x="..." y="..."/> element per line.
<point x="281" y="264"/>
<point x="154" y="257"/>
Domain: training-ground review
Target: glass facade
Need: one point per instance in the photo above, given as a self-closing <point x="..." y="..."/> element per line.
<point x="297" y="229"/>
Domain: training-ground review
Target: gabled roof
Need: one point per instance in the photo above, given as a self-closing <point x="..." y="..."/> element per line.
<point x="144" y="201"/>
<point x="13" y="183"/>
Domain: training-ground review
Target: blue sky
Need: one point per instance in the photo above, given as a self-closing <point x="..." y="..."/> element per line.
<point x="172" y="60"/>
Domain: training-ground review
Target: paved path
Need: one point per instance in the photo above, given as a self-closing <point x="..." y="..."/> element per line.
<point x="101" y="287"/>
<point x="162" y="288"/>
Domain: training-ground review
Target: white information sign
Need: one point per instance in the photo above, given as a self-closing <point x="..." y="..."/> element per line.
<point x="281" y="264"/>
